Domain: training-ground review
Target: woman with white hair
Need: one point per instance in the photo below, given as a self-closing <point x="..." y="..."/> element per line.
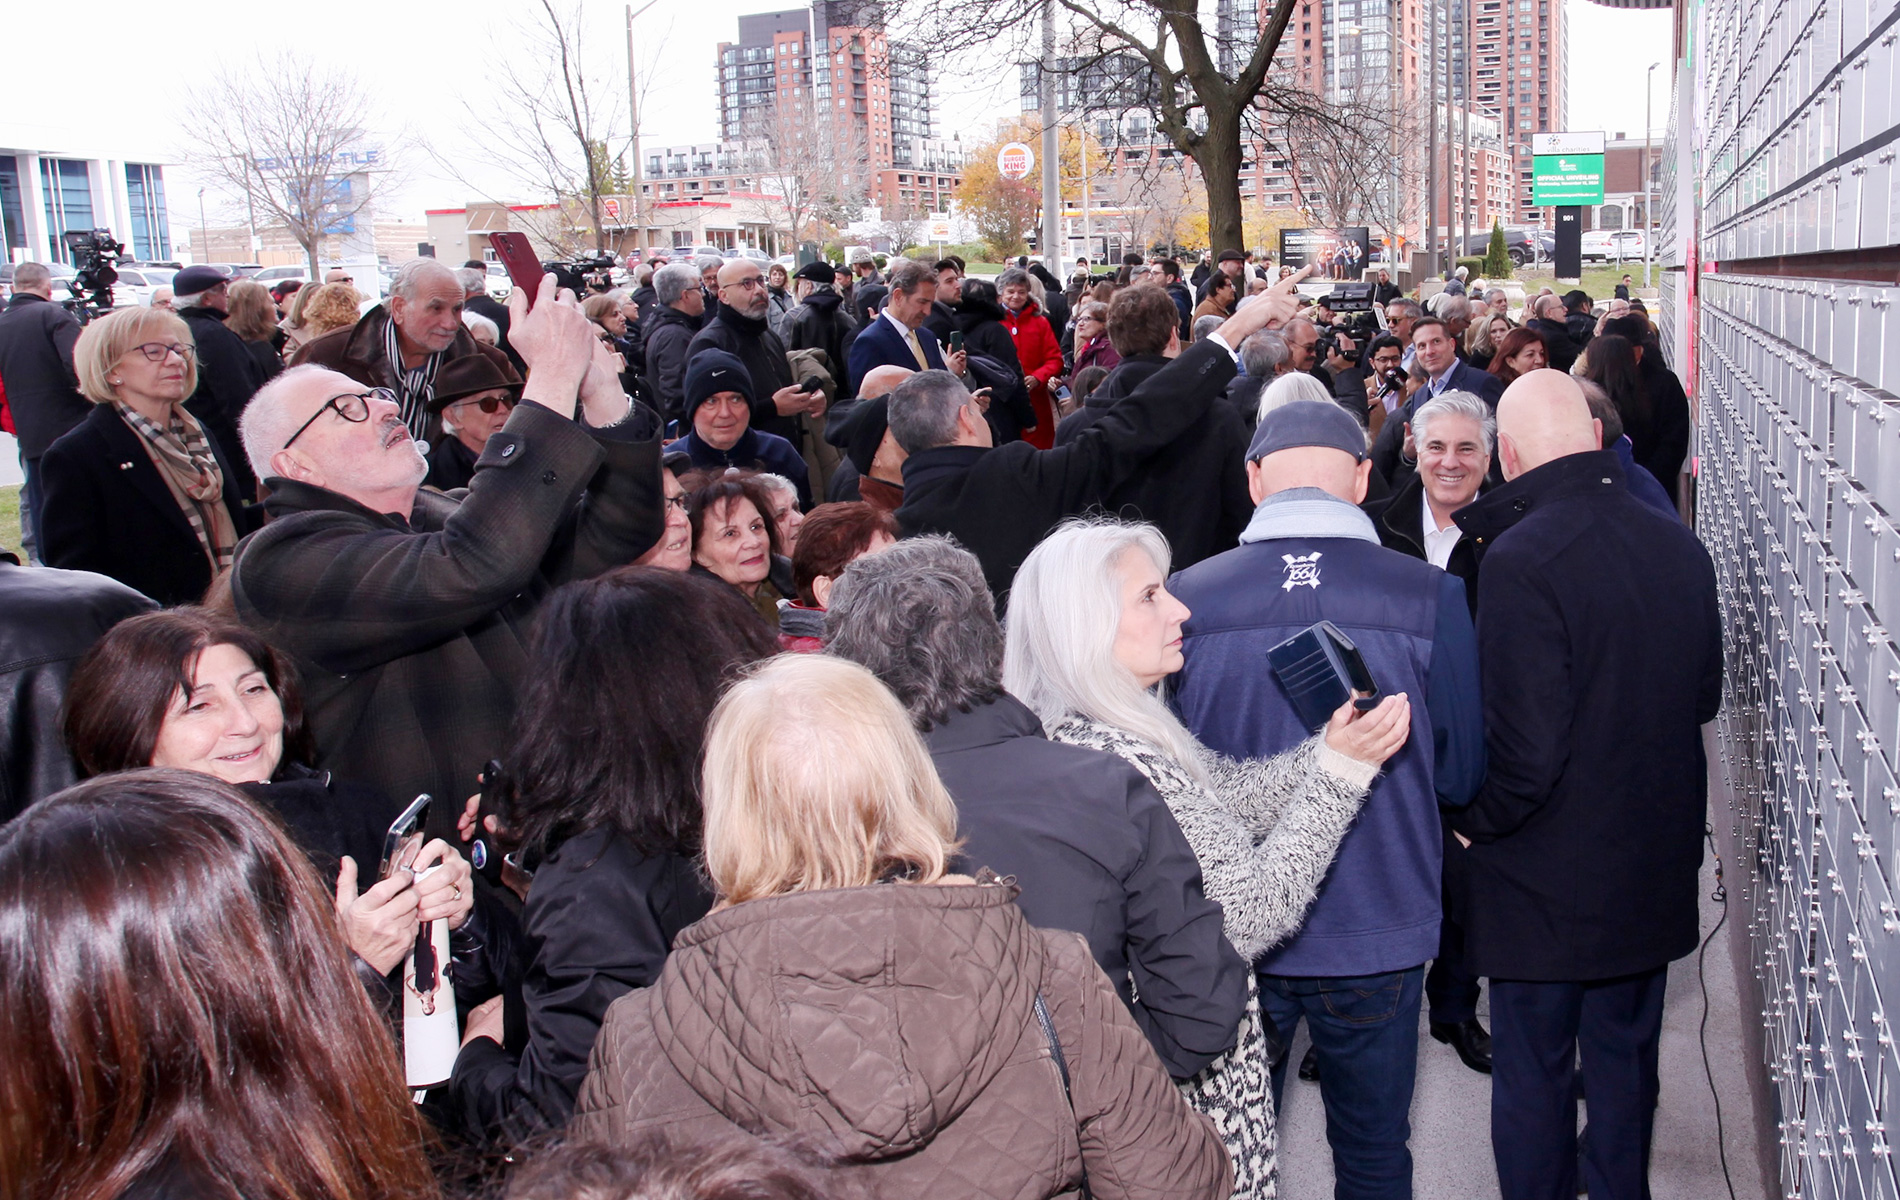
<point x="1287" y="388"/>
<point x="1092" y="634"/>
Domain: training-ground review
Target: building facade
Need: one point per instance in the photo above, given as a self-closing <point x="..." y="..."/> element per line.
<point x="831" y="70"/>
<point x="45" y="193"/>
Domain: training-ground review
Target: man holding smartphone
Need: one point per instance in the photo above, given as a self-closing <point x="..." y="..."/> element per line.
<point x="407" y="611"/>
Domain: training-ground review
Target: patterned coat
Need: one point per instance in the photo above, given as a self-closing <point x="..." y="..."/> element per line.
<point x="1265" y="836"/>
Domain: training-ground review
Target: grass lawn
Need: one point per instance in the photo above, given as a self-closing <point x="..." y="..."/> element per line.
<point x="10" y="518"/>
<point x="1599" y="279"/>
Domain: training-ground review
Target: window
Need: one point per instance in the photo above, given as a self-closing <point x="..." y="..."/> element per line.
<point x="68" y="190"/>
<point x="145" y="196"/>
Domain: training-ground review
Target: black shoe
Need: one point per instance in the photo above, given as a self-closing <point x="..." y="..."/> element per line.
<point x="1309" y="1066"/>
<point x="1469" y="1039"/>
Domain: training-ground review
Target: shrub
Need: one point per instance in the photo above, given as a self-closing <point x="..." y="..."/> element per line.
<point x="1497" y="258"/>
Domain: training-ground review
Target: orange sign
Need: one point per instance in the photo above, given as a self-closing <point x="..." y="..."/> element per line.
<point x="1015" y="161"/>
<point x="613" y="209"/>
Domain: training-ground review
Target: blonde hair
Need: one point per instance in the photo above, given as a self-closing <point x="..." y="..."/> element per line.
<point x="105" y="341"/>
<point x="252" y="314"/>
<point x="596" y="308"/>
<point x="335" y="306"/>
<point x="814" y="779"/>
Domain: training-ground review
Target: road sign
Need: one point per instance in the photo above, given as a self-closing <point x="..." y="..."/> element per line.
<point x="1558" y="179"/>
<point x="613" y="209"/>
<point x="939" y="227"/>
<point x="1566" y="143"/>
<point x="1015" y="161"/>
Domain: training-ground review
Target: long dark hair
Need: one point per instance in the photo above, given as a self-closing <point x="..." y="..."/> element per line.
<point x="176" y="999"/>
<point x="1610" y="362"/>
<point x="624" y="673"/>
<point x="1508" y="348"/>
<point x="127" y="683"/>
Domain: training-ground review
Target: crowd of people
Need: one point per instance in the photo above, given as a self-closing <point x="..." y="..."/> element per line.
<point x="823" y="728"/>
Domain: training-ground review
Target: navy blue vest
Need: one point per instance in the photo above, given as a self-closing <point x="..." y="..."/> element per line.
<point x="1378" y="908"/>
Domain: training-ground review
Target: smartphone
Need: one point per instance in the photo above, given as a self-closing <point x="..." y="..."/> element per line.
<point x="1063" y="393"/>
<point x="956" y="341"/>
<point x="810" y="384"/>
<point x="405" y="834"/>
<point x="515" y="253"/>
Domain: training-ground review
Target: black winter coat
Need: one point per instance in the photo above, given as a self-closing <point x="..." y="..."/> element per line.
<point x="107" y="509"/>
<point x="36" y="368"/>
<point x="48" y="619"/>
<point x="755" y="345"/>
<point x="1097" y="852"/>
<point x="1195" y="488"/>
<point x="1399" y="519"/>
<point x="599" y="922"/>
<point x="1558" y="347"/>
<point x="667" y="333"/>
<point x="820" y="322"/>
<point x="981" y="323"/>
<point x="985" y="338"/>
<point x="1600" y="643"/>
<point x="1661" y="441"/>
<point x="999" y="502"/>
<point x="228" y="376"/>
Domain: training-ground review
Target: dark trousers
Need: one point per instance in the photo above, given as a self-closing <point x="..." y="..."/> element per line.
<point x="1365" y="1030"/>
<point x="1451" y="990"/>
<point x="1538" y="1033"/>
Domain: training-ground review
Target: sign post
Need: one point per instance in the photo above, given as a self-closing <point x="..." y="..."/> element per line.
<point x="1566" y="174"/>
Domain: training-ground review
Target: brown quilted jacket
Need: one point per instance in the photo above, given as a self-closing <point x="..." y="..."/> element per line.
<point x="895" y="1027"/>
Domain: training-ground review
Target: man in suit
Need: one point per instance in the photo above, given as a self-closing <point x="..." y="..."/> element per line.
<point x="1600" y="648"/>
<point x="891" y="338"/>
<point x="1435" y="347"/>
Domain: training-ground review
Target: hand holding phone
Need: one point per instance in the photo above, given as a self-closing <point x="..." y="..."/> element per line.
<point x="379" y="925"/>
<point x="956" y="340"/>
<point x="517" y="254"/>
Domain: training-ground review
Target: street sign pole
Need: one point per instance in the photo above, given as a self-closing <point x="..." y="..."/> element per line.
<point x="1569" y="256"/>
<point x="1566" y="174"/>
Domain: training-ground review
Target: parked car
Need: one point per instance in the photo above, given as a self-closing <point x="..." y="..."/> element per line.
<point x="1601" y="245"/>
<point x="500" y="286"/>
<point x="1522" y="245"/>
<point x="237" y="270"/>
<point x="270" y="275"/>
<point x="136" y="285"/>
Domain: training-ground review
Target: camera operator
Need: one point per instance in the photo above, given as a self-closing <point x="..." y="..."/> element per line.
<point x="1322" y="356"/>
<point x="1385" y="379"/>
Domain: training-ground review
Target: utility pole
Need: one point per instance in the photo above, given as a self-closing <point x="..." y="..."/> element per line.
<point x="1649" y="215"/>
<point x="1051" y="176"/>
<point x="633" y="125"/>
<point x="1429" y="87"/>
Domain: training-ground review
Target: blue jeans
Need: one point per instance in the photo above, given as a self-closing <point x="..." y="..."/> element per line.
<point x="30" y="509"/>
<point x="1365" y="1030"/>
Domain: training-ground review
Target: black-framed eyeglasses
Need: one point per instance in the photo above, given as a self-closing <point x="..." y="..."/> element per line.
<point x="678" y="502"/>
<point x="158" y="351"/>
<point x="351" y="406"/>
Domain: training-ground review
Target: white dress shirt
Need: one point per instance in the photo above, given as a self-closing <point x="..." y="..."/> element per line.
<point x="1438" y="542"/>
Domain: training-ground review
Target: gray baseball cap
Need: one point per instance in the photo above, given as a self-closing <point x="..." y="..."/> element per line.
<point x="1308" y="423"/>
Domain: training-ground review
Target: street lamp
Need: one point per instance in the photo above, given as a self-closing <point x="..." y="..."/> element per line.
<point x="1649" y="214"/>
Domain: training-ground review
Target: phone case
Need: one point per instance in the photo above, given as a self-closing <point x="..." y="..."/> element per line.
<point x="1320" y="669"/>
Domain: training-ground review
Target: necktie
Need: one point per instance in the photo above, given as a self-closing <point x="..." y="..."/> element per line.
<point x="916" y="348"/>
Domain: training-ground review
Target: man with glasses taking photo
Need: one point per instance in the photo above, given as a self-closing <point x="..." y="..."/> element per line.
<point x="741" y="330"/>
<point x="408" y="611"/>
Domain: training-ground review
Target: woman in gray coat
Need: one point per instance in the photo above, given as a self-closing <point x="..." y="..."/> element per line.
<point x="1092" y="633"/>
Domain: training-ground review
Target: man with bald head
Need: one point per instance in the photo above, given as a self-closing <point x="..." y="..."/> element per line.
<point x="1601" y="648"/>
<point x="1355" y="970"/>
<point x="740" y="328"/>
<point x="402" y="343"/>
<point x="873" y="466"/>
<point x="408" y="611"/>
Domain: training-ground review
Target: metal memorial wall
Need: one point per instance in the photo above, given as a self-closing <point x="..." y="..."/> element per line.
<point x="1791" y="186"/>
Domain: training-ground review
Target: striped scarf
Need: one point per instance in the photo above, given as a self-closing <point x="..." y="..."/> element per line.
<point x="184" y="459"/>
<point x="413" y="388"/>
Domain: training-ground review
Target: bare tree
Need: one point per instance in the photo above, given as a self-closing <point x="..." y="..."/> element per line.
<point x="1208" y="94"/>
<point x="815" y="165"/>
<point x="549" y="121"/>
<point x="293" y="141"/>
<point x="902" y="224"/>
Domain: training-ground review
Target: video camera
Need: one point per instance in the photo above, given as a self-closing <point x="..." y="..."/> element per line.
<point x="95" y="258"/>
<point x="575" y="274"/>
<point x="1354" y="315"/>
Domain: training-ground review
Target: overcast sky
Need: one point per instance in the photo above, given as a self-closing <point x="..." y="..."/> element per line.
<point x="431" y="65"/>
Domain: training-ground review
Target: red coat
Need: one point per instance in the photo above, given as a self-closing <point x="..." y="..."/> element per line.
<point x="1041" y="356"/>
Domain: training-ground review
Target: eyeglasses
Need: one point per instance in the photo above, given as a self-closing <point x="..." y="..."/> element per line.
<point x="488" y="404"/>
<point x="749" y="282"/>
<point x="351" y="406"/>
<point x="158" y="351"/>
<point x="678" y="502"/>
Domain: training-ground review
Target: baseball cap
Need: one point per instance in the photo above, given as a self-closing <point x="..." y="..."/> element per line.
<point x="1307" y="423"/>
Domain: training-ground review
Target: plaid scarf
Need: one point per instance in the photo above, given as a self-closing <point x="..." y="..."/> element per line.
<point x="184" y="459"/>
<point x="413" y="388"/>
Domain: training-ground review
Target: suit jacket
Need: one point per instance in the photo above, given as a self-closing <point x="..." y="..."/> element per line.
<point x="107" y="509"/>
<point x="880" y="345"/>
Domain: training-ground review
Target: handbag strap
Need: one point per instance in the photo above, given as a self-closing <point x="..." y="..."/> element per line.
<point x="1062" y="1068"/>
